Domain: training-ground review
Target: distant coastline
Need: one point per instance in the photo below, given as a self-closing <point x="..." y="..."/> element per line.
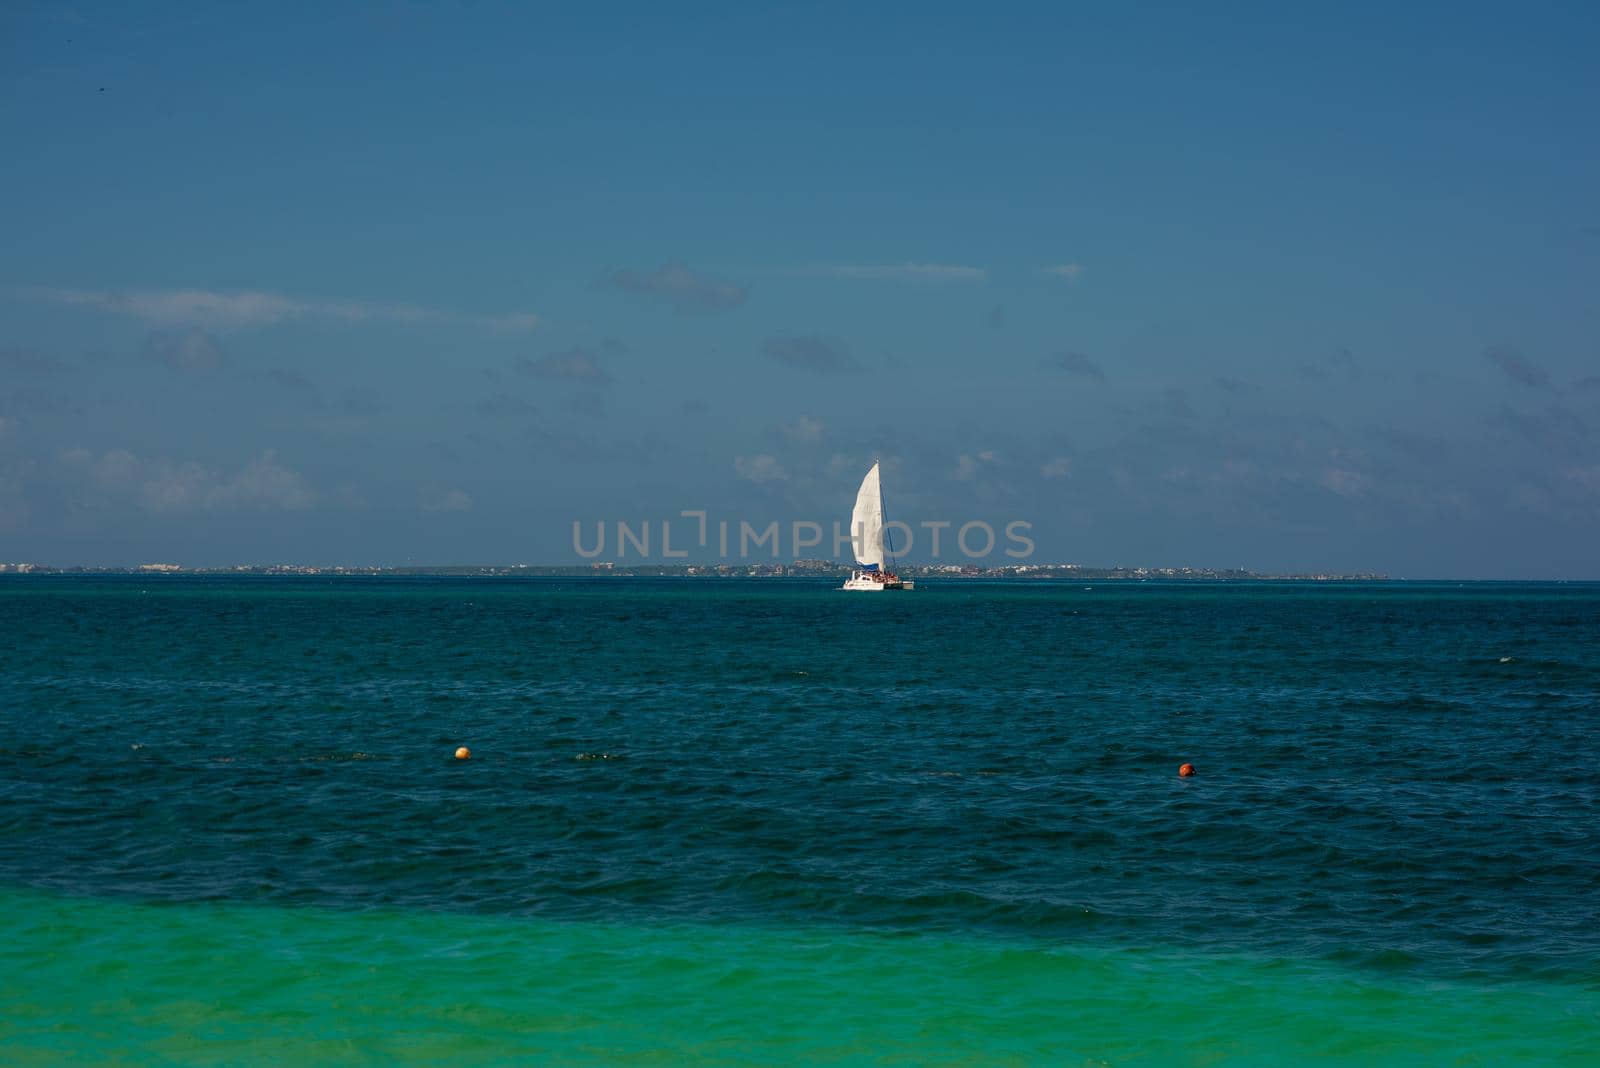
<point x="774" y="569"/>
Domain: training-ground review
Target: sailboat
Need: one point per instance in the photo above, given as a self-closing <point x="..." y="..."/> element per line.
<point x="867" y="531"/>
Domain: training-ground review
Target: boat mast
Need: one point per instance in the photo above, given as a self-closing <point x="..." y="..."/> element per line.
<point x="888" y="532"/>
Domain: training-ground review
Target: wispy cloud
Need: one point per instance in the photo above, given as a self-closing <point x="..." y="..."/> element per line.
<point x="968" y="467"/>
<point x="1057" y="468"/>
<point x="1076" y="364"/>
<point x="1517" y="367"/>
<point x="1343" y="481"/>
<point x="803" y="430"/>
<point x="224" y="311"/>
<point x="810" y="352"/>
<point x="1340" y="363"/>
<point x="581" y="365"/>
<point x="1585" y="478"/>
<point x="909" y="272"/>
<point x="159" y="485"/>
<point x="1067" y="272"/>
<point x="675" y="284"/>
<point x="504" y="404"/>
<point x="762" y="467"/>
<point x="191" y="349"/>
<point x="439" y="499"/>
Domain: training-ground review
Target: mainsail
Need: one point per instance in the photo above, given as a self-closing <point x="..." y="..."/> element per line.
<point x="866" y="522"/>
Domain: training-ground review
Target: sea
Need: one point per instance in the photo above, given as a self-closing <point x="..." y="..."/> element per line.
<point x="722" y="821"/>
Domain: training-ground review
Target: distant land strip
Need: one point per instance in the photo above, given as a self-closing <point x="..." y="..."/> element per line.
<point x="775" y="569"/>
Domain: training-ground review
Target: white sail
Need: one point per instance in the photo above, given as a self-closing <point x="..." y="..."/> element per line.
<point x="866" y="522"/>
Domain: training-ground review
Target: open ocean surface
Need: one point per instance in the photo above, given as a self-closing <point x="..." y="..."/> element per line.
<point x="764" y="821"/>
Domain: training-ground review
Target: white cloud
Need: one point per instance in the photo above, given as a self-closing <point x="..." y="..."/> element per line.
<point x="677" y="285"/>
<point x="910" y="272"/>
<point x="967" y="467"/>
<point x="759" y="468"/>
<point x="164" y="486"/>
<point x="581" y="365"/>
<point x="810" y="352"/>
<point x="205" y="308"/>
<point x="263" y="483"/>
<point x="1060" y="467"/>
<point x="804" y="429"/>
<point x="1585" y="478"/>
<point x="1069" y="272"/>
<point x="1343" y="481"/>
<point x="840" y="464"/>
<point x="190" y="349"/>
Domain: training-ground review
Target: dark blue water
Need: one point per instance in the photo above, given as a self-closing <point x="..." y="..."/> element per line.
<point x="1398" y="777"/>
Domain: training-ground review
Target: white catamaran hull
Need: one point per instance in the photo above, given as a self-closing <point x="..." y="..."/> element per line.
<point x="865" y="581"/>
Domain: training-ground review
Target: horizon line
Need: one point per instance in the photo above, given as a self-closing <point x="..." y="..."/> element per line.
<point x="711" y="569"/>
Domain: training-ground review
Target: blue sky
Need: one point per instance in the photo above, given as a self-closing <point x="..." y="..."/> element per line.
<point x="1258" y="287"/>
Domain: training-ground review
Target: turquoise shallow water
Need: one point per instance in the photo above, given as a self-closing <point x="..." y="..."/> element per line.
<point x="766" y="821"/>
<point x="219" y="984"/>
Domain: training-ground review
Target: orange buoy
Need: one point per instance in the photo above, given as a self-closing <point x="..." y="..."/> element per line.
<point x="1185" y="770"/>
<point x="463" y="753"/>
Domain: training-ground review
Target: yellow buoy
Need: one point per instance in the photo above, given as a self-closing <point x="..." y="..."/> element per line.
<point x="463" y="753"/>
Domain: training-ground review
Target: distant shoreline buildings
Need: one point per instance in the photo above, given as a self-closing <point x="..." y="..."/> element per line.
<point x="775" y="569"/>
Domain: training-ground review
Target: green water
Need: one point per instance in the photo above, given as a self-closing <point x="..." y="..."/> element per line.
<point x="114" y="982"/>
